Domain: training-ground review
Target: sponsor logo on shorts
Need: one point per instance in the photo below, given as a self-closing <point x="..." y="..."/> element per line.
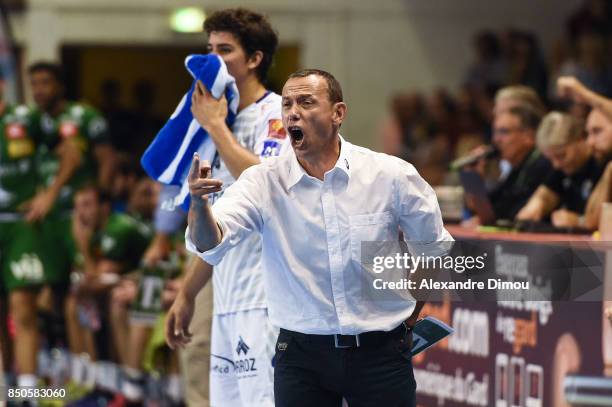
<point x="220" y="365"/>
<point x="244" y="367"/>
<point x="242" y="346"/>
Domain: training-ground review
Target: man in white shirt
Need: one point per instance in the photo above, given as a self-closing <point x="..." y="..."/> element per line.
<point x="314" y="207"/>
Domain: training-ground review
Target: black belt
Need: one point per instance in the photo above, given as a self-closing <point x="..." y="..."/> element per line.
<point x="372" y="338"/>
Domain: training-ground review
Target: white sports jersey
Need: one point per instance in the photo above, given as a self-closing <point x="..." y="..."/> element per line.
<point x="237" y="280"/>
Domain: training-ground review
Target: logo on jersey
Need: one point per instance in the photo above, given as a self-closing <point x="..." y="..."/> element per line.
<point x="276" y="129"/>
<point x="242" y="346"/>
<point x="68" y="129"/>
<point x="15" y="131"/>
<point x="20" y="148"/>
<point x="271" y="148"/>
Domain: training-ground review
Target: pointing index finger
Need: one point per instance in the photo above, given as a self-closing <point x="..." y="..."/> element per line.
<point x="194" y="172"/>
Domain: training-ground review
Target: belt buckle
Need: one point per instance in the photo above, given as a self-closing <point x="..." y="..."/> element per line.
<point x="338" y="346"/>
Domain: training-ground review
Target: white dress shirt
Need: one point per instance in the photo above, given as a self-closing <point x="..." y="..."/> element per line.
<point x="312" y="232"/>
<point x="237" y="279"/>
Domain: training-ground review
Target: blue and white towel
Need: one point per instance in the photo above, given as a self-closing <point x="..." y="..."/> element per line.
<point x="169" y="156"/>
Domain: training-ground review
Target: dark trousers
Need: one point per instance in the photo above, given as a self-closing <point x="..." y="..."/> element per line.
<point x="311" y="371"/>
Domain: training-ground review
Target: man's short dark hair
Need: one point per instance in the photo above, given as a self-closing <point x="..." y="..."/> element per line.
<point x="102" y="195"/>
<point x="529" y="118"/>
<point x="334" y="90"/>
<point x="43" y="66"/>
<point x="253" y="31"/>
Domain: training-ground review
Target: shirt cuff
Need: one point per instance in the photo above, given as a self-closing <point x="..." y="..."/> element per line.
<point x="433" y="249"/>
<point x="212" y="256"/>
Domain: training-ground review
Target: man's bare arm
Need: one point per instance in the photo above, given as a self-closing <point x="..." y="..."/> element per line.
<point x="602" y="193"/>
<point x="203" y="229"/>
<point x="569" y="86"/>
<point x="197" y="275"/>
<point x="106" y="158"/>
<point x="181" y="312"/>
<point x="542" y="202"/>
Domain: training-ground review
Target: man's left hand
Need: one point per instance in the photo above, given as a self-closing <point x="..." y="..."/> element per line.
<point x="207" y="110"/>
<point x="39" y="206"/>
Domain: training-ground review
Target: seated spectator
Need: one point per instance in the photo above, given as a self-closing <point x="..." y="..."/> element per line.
<point x="514" y="136"/>
<point x="599" y="130"/>
<point x="565" y="192"/>
<point x="518" y="95"/>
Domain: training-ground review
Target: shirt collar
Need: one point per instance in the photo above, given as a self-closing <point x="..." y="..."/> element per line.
<point x="296" y="172"/>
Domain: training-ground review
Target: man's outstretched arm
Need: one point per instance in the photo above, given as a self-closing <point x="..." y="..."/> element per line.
<point x="203" y="229"/>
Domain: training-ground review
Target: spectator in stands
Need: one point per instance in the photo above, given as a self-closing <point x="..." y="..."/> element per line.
<point x="517" y="95"/>
<point x="121" y="121"/>
<point x="599" y="130"/>
<point x="442" y="112"/>
<point x="489" y="69"/>
<point x="565" y="192"/>
<point x="410" y="134"/>
<point x="521" y="168"/>
<point x="146" y="121"/>
<point x="590" y="65"/>
<point x="527" y="65"/>
<point x="128" y="174"/>
<point x="514" y="136"/>
<point x="594" y="16"/>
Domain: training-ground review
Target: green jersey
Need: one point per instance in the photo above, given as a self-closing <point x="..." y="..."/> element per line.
<point x="124" y="239"/>
<point x="18" y="144"/>
<point x="87" y="128"/>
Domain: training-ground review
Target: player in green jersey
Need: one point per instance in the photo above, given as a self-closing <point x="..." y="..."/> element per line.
<point x="60" y="120"/>
<point x="109" y="246"/>
<point x="21" y="268"/>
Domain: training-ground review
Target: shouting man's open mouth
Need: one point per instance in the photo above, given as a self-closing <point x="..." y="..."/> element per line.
<point x="297" y="136"/>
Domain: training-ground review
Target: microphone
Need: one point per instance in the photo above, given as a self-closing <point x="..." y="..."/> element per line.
<point x="488" y="152"/>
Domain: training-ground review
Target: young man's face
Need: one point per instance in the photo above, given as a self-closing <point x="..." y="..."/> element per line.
<point x="87" y="208"/>
<point x="46" y="90"/>
<point x="227" y="46"/>
<point x="599" y="130"/>
<point x="143" y="198"/>
<point x="309" y="116"/>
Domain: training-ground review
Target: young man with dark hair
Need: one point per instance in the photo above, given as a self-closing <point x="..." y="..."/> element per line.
<point x="242" y="344"/>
